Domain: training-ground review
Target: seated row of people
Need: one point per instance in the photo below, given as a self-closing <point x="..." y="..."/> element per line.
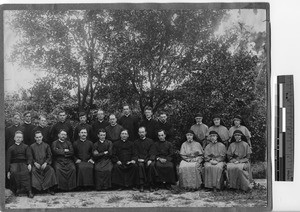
<point x="124" y="164"/>
<point x="215" y="170"/>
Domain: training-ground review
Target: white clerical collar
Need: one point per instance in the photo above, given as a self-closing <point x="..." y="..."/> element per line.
<point x="27" y="122"/>
<point x="124" y="141"/>
<point x="199" y="123"/>
<point x="113" y="124"/>
<point x="127" y="115"/>
<point x="149" y="119"/>
<point x="101" y="141"/>
<point x="61" y="141"/>
<point x="42" y="126"/>
<point x="82" y="140"/>
<point x="101" y="120"/>
<point x="143" y="138"/>
<point x="17" y="143"/>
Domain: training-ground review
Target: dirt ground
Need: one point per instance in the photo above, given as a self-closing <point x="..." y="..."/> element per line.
<point x="257" y="197"/>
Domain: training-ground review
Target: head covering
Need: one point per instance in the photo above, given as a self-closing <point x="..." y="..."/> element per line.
<point x="82" y="114"/>
<point x="216" y="116"/>
<point x="190" y="132"/>
<point x="213" y="133"/>
<point x="237" y="117"/>
<point x="199" y="115"/>
<point x="238" y="132"/>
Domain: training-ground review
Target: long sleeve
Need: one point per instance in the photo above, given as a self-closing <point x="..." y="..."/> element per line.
<point x="75" y="148"/>
<point x="48" y="155"/>
<point x="28" y="155"/>
<point x="222" y="154"/>
<point x="56" y="150"/>
<point x="115" y="154"/>
<point x="71" y="150"/>
<point x="8" y="159"/>
<point x="169" y="157"/>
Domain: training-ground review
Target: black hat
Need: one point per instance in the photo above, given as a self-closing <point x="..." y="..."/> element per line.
<point x="237" y="117"/>
<point x="238" y="132"/>
<point x="82" y="114"/>
<point x="190" y="132"/>
<point x="216" y="116"/>
<point x="213" y="133"/>
<point x="199" y="115"/>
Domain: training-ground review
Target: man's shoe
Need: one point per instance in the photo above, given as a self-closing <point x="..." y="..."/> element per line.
<point x="50" y="192"/>
<point x="30" y="194"/>
<point x="134" y="189"/>
<point x="142" y="189"/>
<point x="168" y="186"/>
<point x="151" y="189"/>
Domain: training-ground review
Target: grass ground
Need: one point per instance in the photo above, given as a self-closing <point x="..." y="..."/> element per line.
<point x="176" y="197"/>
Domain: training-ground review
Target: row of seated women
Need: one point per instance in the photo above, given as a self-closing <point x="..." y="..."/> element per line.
<point x="209" y="167"/>
<point x="126" y="164"/>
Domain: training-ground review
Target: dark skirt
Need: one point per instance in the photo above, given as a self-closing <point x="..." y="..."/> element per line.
<point x="163" y="172"/>
<point x="85" y="174"/>
<point x="19" y="177"/>
<point x="43" y="179"/>
<point x="125" y="175"/>
<point x="65" y="174"/>
<point x="103" y="170"/>
<point x="143" y="173"/>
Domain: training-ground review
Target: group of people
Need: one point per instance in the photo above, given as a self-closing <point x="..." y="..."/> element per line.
<point x="124" y="154"/>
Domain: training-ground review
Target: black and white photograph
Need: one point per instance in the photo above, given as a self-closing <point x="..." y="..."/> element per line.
<point x="137" y="106"/>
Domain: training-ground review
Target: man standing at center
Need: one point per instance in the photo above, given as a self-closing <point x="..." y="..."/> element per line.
<point x="98" y="124"/>
<point x="62" y="124"/>
<point x="83" y="150"/>
<point x="127" y="121"/>
<point x="28" y="127"/>
<point x="83" y="125"/>
<point x="150" y="124"/>
<point x="113" y="129"/>
<point x="200" y="130"/>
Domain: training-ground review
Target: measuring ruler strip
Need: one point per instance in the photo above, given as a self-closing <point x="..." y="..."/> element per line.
<point x="284" y="129"/>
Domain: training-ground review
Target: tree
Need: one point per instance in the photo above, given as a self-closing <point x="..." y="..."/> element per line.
<point x="64" y="44"/>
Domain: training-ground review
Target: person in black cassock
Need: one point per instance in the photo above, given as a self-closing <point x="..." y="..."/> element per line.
<point x="163" y="170"/>
<point x="83" y="159"/>
<point x="129" y="122"/>
<point x="62" y="124"/>
<point x="142" y="148"/>
<point x="18" y="161"/>
<point x="113" y="130"/>
<point x="9" y="136"/>
<point x="11" y="130"/>
<point x="44" y="129"/>
<point x="125" y="171"/>
<point x="165" y="125"/>
<point x="100" y="123"/>
<point x="150" y="124"/>
<point x="63" y="162"/>
<point x="82" y="124"/>
<point x="28" y="127"/>
<point x="43" y="175"/>
<point x="102" y="153"/>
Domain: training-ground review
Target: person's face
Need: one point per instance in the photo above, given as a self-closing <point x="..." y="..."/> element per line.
<point x="43" y="121"/>
<point x="102" y="136"/>
<point x="82" y="119"/>
<point x="112" y="120"/>
<point x="198" y="119"/>
<point x="27" y="117"/>
<point x="38" y="138"/>
<point x="217" y="121"/>
<point x="62" y="135"/>
<point x="237" y="137"/>
<point x="189" y="137"/>
<point x="148" y="114"/>
<point x="18" y="138"/>
<point x="16" y="119"/>
<point x="163" y="117"/>
<point x="62" y="116"/>
<point x="161" y="136"/>
<point x="100" y="115"/>
<point x="82" y="134"/>
<point x="213" y="138"/>
<point x="237" y="122"/>
<point x="142" y="132"/>
<point x="124" y="135"/>
<point x="126" y="110"/>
